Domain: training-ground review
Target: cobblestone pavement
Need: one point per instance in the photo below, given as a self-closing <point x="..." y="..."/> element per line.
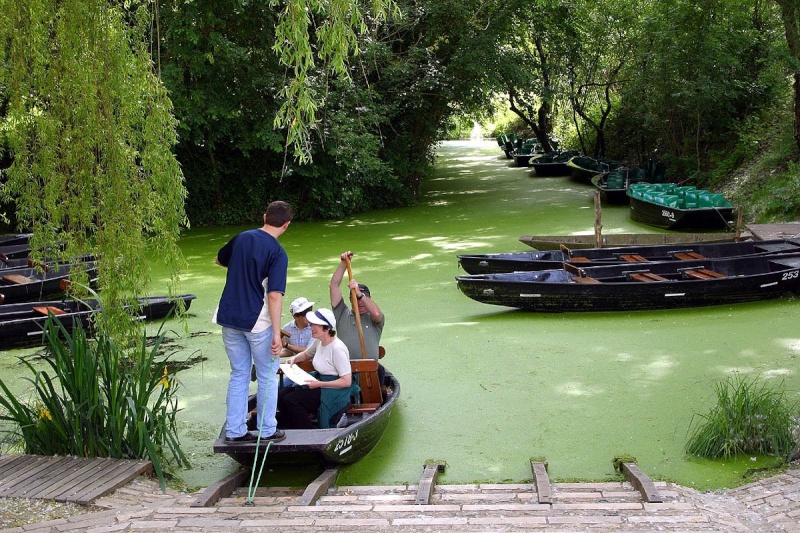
<point x="769" y="505"/>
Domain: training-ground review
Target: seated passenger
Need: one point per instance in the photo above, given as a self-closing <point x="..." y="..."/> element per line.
<point x="329" y="397"/>
<point x="298" y="329"/>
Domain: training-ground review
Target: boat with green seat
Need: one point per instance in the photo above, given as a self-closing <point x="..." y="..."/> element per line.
<point x="679" y="207"/>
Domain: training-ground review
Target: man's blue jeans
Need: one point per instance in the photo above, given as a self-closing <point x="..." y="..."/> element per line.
<point x="244" y="350"/>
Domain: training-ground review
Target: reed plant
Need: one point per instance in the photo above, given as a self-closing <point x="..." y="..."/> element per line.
<point x="95" y="399"/>
<point x="750" y="417"/>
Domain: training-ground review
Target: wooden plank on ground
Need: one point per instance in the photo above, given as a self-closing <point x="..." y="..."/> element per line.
<point x="642" y="483"/>
<point x="318" y="487"/>
<point x="221" y="489"/>
<point x="43" y="479"/>
<point x="543" y="492"/>
<point x="121" y="473"/>
<point x="73" y="479"/>
<point x="428" y="482"/>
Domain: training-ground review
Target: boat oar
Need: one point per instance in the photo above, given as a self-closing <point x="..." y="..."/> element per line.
<point x="357" y="314"/>
<point x="354" y="303"/>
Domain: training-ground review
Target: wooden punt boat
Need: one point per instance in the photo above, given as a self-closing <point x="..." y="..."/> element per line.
<point x="26" y="284"/>
<point x="10" y="239"/>
<point x="548" y="259"/>
<point x="14" y="251"/>
<point x="27" y="262"/>
<point x="331" y="446"/>
<point x="669" y="206"/>
<point x="632" y="287"/>
<point x="552" y="164"/>
<point x="22" y="324"/>
<point x="584" y="168"/>
<point x="554" y="242"/>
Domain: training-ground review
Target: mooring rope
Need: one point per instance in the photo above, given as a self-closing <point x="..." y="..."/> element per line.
<point x="256" y="479"/>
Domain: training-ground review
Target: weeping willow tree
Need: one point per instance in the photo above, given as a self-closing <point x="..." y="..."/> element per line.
<point x="311" y="57"/>
<point x="88" y="129"/>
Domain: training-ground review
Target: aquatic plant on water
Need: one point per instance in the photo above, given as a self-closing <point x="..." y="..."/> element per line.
<point x="750" y="417"/>
<point x="95" y="399"/>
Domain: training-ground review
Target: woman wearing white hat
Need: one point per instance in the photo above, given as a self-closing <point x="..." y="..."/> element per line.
<point x="330" y="396"/>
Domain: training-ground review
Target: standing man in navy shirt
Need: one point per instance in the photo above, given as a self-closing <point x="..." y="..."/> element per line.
<point x="249" y="312"/>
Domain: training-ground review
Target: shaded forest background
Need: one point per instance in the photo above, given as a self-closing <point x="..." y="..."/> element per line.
<point x="705" y="87"/>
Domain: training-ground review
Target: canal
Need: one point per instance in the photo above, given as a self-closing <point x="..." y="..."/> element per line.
<point x="487" y="388"/>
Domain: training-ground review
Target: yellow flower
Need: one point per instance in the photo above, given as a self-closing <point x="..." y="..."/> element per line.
<point x="44" y="412"/>
<point x="165" y="380"/>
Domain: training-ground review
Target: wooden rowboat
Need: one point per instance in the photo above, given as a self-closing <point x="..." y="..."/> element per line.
<point x="548" y="259"/>
<point x="22" y="324"/>
<point x="10" y="239"/>
<point x="648" y="286"/>
<point x="26" y="284"/>
<point x="331" y="446"/>
<point x="554" y="242"/>
<point x="669" y="206"/>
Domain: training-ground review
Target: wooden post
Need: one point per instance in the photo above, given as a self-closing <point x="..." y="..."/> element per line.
<point x="598" y="226"/>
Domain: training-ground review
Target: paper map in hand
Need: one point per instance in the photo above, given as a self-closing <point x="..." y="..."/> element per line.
<point x="296" y="374"/>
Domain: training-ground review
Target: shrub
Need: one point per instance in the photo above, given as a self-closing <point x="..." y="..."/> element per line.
<point x="750" y="417"/>
<point x="97" y="400"/>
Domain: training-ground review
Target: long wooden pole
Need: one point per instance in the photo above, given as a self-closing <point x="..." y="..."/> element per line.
<point x="354" y="303"/>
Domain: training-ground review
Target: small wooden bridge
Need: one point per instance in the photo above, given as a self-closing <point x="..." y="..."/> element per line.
<point x="66" y="479"/>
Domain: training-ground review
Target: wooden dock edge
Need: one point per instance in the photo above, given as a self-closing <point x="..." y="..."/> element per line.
<point x="318" y="487"/>
<point x="642" y="483"/>
<point x="428" y="482"/>
<point x="543" y="492"/>
<point x="221" y="489"/>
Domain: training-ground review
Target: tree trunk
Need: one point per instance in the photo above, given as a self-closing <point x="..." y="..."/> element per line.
<point x="791" y="24"/>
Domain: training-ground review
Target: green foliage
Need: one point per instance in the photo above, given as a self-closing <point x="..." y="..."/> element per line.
<point x="620" y="459"/>
<point x="96" y="400"/>
<point x="750" y="417"/>
<point x="88" y="131"/>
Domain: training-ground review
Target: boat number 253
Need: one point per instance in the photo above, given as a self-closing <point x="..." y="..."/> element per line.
<point x="790" y="275"/>
<point x="345" y="441"/>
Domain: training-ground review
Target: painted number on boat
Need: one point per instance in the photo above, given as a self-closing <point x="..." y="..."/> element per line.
<point x="790" y="275"/>
<point x="344" y="444"/>
<point x="666" y="213"/>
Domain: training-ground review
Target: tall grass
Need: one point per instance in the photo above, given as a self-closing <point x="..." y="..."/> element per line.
<point x="95" y="399"/>
<point x="750" y="417"/>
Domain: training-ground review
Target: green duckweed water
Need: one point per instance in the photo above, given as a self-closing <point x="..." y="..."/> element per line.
<point x="486" y="388"/>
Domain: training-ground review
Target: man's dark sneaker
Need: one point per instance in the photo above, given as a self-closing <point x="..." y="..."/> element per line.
<point x="247" y="437"/>
<point x="278" y="436"/>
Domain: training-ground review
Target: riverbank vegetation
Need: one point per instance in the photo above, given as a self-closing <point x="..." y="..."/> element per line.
<point x="284" y="100"/>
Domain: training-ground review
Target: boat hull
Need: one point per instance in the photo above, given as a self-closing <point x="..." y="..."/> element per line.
<point x="554" y="242"/>
<point x="674" y="218"/>
<point x="21" y="326"/>
<point x="329" y="446"/>
<point x="546" y="170"/>
<point x="551" y="259"/>
<point x="747" y="279"/>
<point x="42" y="284"/>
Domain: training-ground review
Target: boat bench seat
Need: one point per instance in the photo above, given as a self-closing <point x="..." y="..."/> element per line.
<point x="43" y="310"/>
<point x="17" y="279"/>
<point x="701" y="273"/>
<point x="644" y="276"/>
<point x="632" y="258"/>
<point x="687" y="256"/>
<point x="584" y="279"/>
<point x="578" y="259"/>
<point x="367" y="372"/>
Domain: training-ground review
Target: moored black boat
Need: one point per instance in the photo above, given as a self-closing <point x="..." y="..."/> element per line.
<point x="583" y="168"/>
<point x="22" y="324"/>
<point x="669" y="206"/>
<point x="14" y="251"/>
<point x="333" y="446"/>
<point x="549" y="259"/>
<point x="631" y="287"/>
<point x="552" y="164"/>
<point x="12" y="239"/>
<point x="26" y="284"/>
<point x="554" y="242"/>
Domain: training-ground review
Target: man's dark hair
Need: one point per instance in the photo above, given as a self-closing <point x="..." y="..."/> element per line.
<point x="278" y="213"/>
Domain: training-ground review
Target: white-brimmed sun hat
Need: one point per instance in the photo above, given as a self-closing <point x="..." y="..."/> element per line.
<point x="300" y="305"/>
<point x="322" y="317"/>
